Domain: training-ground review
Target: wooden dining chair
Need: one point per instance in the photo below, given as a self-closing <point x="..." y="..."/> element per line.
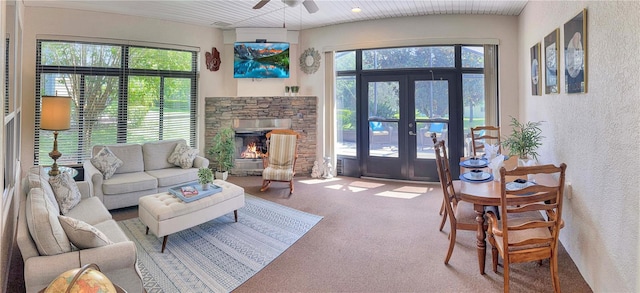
<point x="522" y="234"/>
<point x="460" y="213"/>
<point x="280" y="160"/>
<point x="484" y="134"/>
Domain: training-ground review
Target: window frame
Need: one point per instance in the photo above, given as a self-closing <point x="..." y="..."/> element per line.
<point x="123" y="73"/>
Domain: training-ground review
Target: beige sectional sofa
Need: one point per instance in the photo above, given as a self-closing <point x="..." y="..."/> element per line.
<point x="46" y="246"/>
<point x="145" y="170"/>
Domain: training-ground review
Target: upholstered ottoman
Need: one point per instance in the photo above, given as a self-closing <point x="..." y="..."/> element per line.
<point x="163" y="213"/>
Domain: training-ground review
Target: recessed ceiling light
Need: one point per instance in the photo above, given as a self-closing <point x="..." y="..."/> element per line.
<point x="356" y="9"/>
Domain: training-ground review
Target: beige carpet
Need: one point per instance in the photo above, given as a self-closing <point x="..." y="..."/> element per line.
<point x="381" y="236"/>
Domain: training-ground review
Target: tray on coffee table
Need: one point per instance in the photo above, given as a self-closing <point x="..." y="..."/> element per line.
<point x="177" y="191"/>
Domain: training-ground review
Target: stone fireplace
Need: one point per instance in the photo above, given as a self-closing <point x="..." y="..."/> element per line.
<point x="253" y="117"/>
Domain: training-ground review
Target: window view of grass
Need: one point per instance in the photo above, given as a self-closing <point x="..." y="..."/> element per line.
<point x="157" y="102"/>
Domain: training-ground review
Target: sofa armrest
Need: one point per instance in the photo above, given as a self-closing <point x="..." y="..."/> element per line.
<point x="85" y="189"/>
<point x="111" y="257"/>
<point x="41" y="270"/>
<point x="200" y="162"/>
<point x="95" y="179"/>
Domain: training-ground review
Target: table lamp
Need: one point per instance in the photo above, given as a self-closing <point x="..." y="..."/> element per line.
<point x="55" y="115"/>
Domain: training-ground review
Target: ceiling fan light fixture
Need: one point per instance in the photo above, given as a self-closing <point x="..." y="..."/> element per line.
<point x="310" y="6"/>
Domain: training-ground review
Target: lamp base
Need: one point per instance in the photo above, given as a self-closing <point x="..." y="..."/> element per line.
<point x="55" y="155"/>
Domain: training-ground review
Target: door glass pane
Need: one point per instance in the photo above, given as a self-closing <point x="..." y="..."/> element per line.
<point x="384" y="113"/>
<point x="473" y="103"/>
<point x="346" y="115"/>
<point x="432" y="102"/>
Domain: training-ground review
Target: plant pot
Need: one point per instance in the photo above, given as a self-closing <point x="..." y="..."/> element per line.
<point x="222" y="175"/>
<point x="525" y="162"/>
<point x="205" y="186"/>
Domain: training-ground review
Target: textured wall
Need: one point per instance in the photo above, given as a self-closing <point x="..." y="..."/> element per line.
<point x="220" y="112"/>
<point x="596" y="134"/>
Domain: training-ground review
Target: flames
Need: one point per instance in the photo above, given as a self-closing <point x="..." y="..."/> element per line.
<point x="251" y="152"/>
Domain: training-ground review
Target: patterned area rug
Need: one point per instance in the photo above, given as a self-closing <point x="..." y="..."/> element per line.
<point x="219" y="255"/>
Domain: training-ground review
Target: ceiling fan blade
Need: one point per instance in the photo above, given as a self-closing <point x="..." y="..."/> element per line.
<point x="310" y="6"/>
<point x="260" y="4"/>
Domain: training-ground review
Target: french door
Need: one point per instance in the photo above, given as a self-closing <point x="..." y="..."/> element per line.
<point x="400" y="113"/>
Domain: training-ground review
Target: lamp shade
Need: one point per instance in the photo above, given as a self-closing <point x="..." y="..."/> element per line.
<point x="55" y="113"/>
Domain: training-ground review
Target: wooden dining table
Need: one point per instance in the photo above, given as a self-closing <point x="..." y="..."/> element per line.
<point x="488" y="194"/>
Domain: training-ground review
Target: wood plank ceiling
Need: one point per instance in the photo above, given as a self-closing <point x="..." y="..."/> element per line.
<point x="229" y="14"/>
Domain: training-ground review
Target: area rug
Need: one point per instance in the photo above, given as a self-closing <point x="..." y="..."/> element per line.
<point x="219" y="255"/>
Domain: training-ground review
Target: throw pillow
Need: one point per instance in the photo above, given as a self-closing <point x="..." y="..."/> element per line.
<point x="83" y="235"/>
<point x="106" y="162"/>
<point x="183" y="156"/>
<point x="44" y="227"/>
<point x="66" y="191"/>
<point x="39" y="178"/>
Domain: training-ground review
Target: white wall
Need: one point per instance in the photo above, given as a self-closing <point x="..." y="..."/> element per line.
<point x="595" y="134"/>
<point x="433" y="29"/>
<point x="75" y="23"/>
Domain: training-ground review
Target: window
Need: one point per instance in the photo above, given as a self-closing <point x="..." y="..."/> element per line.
<point x="120" y="93"/>
<point x="409" y="57"/>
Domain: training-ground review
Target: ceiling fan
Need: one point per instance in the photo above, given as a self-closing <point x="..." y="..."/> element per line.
<point x="308" y="4"/>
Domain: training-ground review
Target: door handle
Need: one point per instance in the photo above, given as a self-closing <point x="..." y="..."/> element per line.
<point x="411" y="132"/>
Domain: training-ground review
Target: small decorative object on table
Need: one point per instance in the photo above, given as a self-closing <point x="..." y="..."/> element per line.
<point x="199" y="192"/>
<point x="205" y="177"/>
<point x="189" y="191"/>
<point x="524" y="141"/>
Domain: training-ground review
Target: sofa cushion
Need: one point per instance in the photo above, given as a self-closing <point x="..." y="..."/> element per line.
<point x="38" y="178"/>
<point x="83" y="235"/>
<point x="131" y="182"/>
<point x="174" y="176"/>
<point x="156" y="153"/>
<point x="130" y="154"/>
<point x="66" y="191"/>
<point x="112" y="230"/>
<point x="183" y="156"/>
<point x="106" y="162"/>
<point x="44" y="227"/>
<point x="90" y="210"/>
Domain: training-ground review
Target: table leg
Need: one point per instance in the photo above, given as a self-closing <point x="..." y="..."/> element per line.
<point x="481" y="234"/>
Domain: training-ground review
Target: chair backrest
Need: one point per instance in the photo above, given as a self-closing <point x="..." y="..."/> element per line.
<point x="544" y="196"/>
<point x="444" y="173"/>
<point x="484" y="134"/>
<point x="283" y="147"/>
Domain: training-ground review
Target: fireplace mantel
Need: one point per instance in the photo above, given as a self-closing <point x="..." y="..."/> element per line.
<point x="300" y="110"/>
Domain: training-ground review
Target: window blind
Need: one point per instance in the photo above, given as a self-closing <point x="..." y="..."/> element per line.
<point x="120" y="94"/>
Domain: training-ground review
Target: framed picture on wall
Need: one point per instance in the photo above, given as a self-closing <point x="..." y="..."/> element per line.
<point x="551" y="62"/>
<point x="536" y="82"/>
<point x="575" y="53"/>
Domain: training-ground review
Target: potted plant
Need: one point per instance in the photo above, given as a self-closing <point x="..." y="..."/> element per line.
<point x="524" y="140"/>
<point x="223" y="151"/>
<point x="205" y="177"/>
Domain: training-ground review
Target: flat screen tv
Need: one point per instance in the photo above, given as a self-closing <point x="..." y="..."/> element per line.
<point x="260" y="60"/>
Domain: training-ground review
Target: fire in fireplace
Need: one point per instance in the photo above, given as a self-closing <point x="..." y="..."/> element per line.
<point x="251" y="152"/>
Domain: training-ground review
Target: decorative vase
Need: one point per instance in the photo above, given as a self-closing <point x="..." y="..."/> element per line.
<point x="205" y="186"/>
<point x="294" y="90"/>
<point x="222" y="175"/>
<point x="526" y="162"/>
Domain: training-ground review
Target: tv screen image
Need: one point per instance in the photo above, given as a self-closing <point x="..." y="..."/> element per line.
<point x="260" y="60"/>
